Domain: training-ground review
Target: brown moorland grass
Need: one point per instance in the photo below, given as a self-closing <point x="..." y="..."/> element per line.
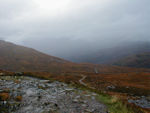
<point x="127" y="83"/>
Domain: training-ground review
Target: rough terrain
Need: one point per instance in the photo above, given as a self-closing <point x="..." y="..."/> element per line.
<point x="21" y="94"/>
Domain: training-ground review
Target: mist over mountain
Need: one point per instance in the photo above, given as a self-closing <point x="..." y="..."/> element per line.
<point x="73" y="27"/>
<point x="138" y="60"/>
<point x="74" y="56"/>
<point x="114" y="53"/>
<point x="23" y="59"/>
<point x="96" y="31"/>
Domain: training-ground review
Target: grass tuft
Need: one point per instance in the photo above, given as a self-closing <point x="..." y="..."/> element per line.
<point x="113" y="104"/>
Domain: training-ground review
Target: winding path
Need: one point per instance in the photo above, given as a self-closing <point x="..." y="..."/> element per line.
<point x="81" y="80"/>
<point x="83" y="83"/>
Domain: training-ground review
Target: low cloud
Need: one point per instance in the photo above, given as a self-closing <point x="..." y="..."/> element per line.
<point x="69" y="27"/>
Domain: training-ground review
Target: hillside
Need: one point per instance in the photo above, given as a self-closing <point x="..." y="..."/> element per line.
<point x="138" y="61"/>
<point x="113" y="54"/>
<point x="18" y="58"/>
<point x="113" y="80"/>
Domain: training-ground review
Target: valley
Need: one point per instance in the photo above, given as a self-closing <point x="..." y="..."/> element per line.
<point x="34" y="81"/>
<point x="74" y="56"/>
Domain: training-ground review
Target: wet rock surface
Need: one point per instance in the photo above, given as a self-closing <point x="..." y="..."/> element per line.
<point x="142" y="101"/>
<point x="32" y="95"/>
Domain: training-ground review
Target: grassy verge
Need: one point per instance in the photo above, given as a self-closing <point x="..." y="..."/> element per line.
<point x="113" y="104"/>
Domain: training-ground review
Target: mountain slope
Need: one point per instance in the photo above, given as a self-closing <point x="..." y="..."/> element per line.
<point x="113" y="54"/>
<point x="19" y="58"/>
<point x="139" y="61"/>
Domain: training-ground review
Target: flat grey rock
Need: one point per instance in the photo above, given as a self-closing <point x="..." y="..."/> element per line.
<point x="42" y="96"/>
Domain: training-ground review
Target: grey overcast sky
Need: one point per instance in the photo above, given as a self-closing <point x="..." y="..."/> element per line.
<point x="67" y="27"/>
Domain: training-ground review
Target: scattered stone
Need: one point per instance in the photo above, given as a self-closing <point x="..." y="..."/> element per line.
<point x="31" y="95"/>
<point x="143" y="102"/>
<point x="75" y="100"/>
<point x="110" y="87"/>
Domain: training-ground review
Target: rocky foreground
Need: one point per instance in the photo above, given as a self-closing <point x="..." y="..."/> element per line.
<point x="32" y="95"/>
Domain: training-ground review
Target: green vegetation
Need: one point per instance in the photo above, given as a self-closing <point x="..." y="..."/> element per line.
<point x="114" y="104"/>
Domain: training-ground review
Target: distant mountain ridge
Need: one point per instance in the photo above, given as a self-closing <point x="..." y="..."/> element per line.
<point x="23" y="59"/>
<point x="114" y="54"/>
<point x="138" y="61"/>
<point x="18" y="58"/>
